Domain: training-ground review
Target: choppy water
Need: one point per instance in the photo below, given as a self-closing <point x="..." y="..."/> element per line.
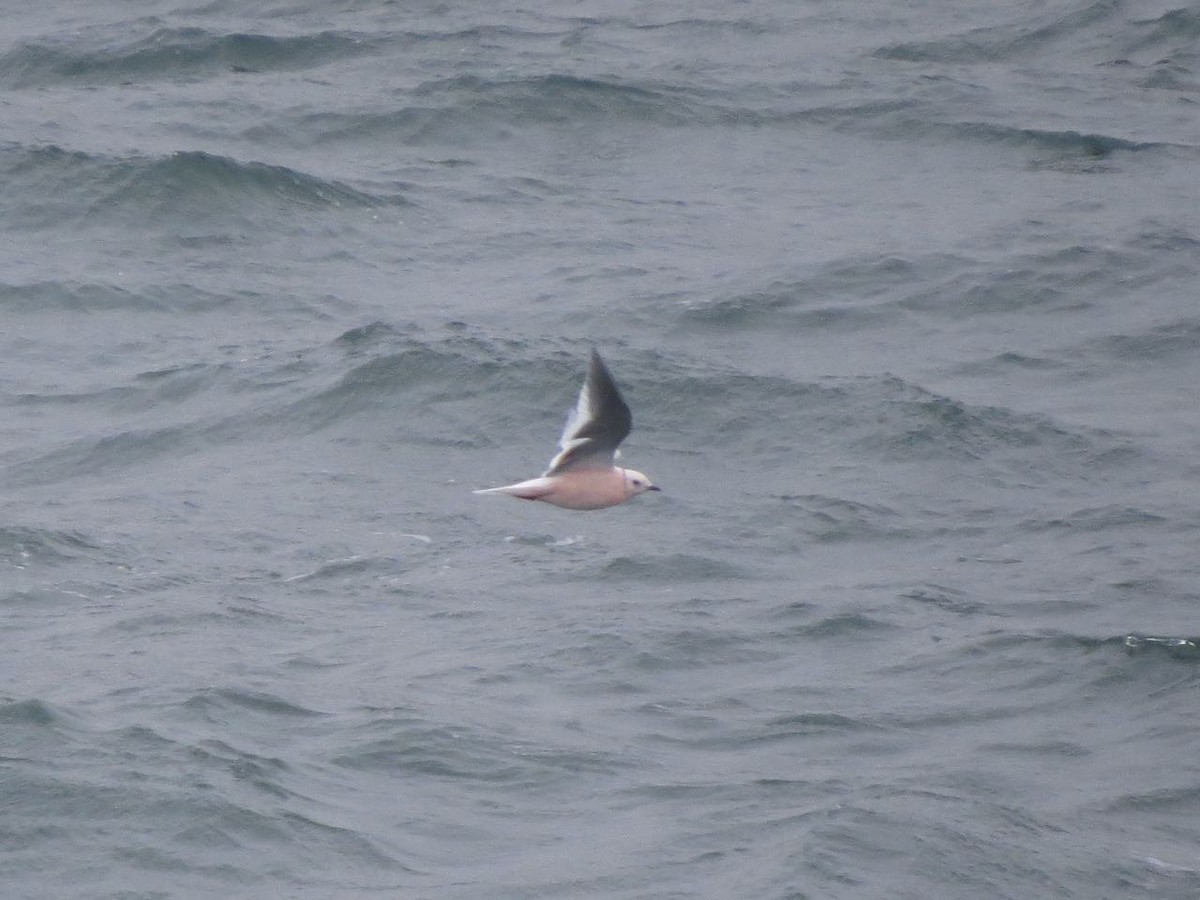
<point x="904" y="301"/>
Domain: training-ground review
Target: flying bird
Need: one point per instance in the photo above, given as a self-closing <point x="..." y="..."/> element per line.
<point x="584" y="474"/>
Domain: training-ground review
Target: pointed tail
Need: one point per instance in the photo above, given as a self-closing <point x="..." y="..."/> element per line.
<point x="532" y="489"/>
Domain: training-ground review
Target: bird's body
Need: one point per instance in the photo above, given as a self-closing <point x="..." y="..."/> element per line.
<point x="583" y="475"/>
<point x="582" y="489"/>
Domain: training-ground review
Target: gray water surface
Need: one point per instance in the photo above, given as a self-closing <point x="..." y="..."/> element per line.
<point x="903" y="302"/>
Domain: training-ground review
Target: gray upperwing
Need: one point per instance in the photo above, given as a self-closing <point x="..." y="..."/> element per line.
<point x="596" y="426"/>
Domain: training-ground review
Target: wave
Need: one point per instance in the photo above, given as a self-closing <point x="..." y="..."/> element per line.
<point x="21" y="713"/>
<point x="193" y="176"/>
<point x="869" y="292"/>
<point x="183" y="186"/>
<point x="1183" y="649"/>
<point x="672" y="568"/>
<point x="1048" y="282"/>
<point x="402" y="743"/>
<point x="23" y="546"/>
<point x="843" y="295"/>
<point x="56" y="296"/>
<point x="1178" y="340"/>
<point x="831" y="519"/>
<point x="1172" y="34"/>
<point x="883" y="417"/>
<point x="471" y="110"/>
<point x="1064" y="143"/>
<point x="561" y="98"/>
<point x="219" y="702"/>
<point x="96" y="455"/>
<point x="1099" y="519"/>
<point x="1004" y="42"/>
<point x="173" y="412"/>
<point x="181" y="806"/>
<point x="1066" y="149"/>
<point x="172" y="54"/>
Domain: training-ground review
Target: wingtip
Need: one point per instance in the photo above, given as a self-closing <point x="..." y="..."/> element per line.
<point x="598" y="367"/>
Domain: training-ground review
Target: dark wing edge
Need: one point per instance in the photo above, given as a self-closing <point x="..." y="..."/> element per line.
<point x="597" y="425"/>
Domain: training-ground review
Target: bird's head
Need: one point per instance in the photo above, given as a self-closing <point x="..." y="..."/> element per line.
<point x="637" y="483"/>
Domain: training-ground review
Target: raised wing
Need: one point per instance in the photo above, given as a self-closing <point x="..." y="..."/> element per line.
<point x="596" y="426"/>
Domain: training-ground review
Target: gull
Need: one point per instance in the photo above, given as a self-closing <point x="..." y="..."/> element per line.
<point x="584" y="475"/>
